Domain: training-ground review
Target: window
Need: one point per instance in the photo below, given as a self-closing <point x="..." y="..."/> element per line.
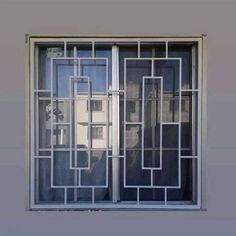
<point x="97" y="133"/>
<point x="173" y="106"/>
<point x="144" y="150"/>
<point x="95" y="105"/>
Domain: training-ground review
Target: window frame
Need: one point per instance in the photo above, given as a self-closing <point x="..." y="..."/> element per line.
<point x="32" y="40"/>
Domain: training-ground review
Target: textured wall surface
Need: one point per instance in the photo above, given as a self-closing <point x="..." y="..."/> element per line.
<point x="97" y="17"/>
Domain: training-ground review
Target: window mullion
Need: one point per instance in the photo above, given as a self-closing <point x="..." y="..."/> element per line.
<point x="115" y="125"/>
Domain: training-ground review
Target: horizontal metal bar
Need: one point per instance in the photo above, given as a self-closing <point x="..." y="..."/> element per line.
<point x="73" y="149"/>
<point x="189" y="157"/>
<point x="94" y="123"/>
<point x="61" y="123"/>
<point x="42" y="91"/>
<point x="78" y="186"/>
<point x="190" y="90"/>
<point x="152" y="186"/>
<point x="151" y="168"/>
<point x="110" y="149"/>
<point x="114" y="38"/>
<point x="153" y="58"/>
<point x="115" y="91"/>
<point x="80" y="168"/>
<point x="116" y="156"/>
<point x="170" y="123"/>
<point x="80" y="58"/>
<point x="80" y="98"/>
<point x="42" y="157"/>
<point x="96" y="206"/>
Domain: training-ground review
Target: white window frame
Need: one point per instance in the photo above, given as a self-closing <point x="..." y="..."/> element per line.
<point x="202" y="129"/>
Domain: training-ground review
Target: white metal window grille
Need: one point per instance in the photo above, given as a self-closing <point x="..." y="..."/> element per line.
<point x="146" y="152"/>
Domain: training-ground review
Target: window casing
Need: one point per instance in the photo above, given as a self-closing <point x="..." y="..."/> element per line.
<point x="150" y="155"/>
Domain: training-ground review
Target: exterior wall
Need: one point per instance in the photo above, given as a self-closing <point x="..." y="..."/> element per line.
<point x="98" y="17"/>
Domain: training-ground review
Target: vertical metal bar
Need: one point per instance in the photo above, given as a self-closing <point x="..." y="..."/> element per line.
<point x="203" y="129"/>
<point x="36" y="151"/>
<point x="151" y="174"/>
<point x="89" y="124"/>
<point x="161" y="131"/>
<point x="70" y="110"/>
<point x="65" y="48"/>
<point x="37" y="103"/>
<point x="124" y="126"/>
<point x="193" y="105"/>
<point x="115" y="124"/>
<point x="93" y="195"/>
<point x="107" y="122"/>
<point x="76" y="172"/>
<point x="52" y="154"/>
<point x="167" y="49"/>
<point x="32" y="124"/>
<point x="152" y="120"/>
<point x="143" y="121"/>
<point x="75" y="109"/>
<point x="179" y="125"/>
<point x="165" y="196"/>
<point x="138" y="195"/>
<point x="199" y="122"/>
<point x="61" y="136"/>
<point x="153" y="111"/>
<point x="93" y="49"/>
<point x="139" y="49"/>
<point x="79" y="74"/>
<point x="65" y="196"/>
<point x="193" y="120"/>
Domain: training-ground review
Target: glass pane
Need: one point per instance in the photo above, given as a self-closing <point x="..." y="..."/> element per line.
<point x="133" y="136"/>
<point x="61" y="136"/>
<point x="152" y="49"/>
<point x="169" y="70"/>
<point x="44" y="65"/>
<point x="168" y="175"/>
<point x="151" y="195"/>
<point x="170" y="108"/>
<point x="135" y="70"/>
<point x="61" y="111"/>
<point x="133" y="110"/>
<point x="62" y="70"/>
<point x="170" y="136"/>
<point x="188" y="189"/>
<point x="62" y="175"/>
<point x="188" y="53"/>
<point x="152" y="158"/>
<point x="79" y="195"/>
<point x="97" y="174"/>
<point x="189" y="123"/>
<point x="45" y="193"/>
<point x="134" y="173"/>
<point x="96" y="70"/>
<point x="44" y="126"/>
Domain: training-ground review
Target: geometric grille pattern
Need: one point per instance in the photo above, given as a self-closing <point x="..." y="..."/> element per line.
<point x="141" y="157"/>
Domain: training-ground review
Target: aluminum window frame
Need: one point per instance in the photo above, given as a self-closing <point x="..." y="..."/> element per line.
<point x="32" y="40"/>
